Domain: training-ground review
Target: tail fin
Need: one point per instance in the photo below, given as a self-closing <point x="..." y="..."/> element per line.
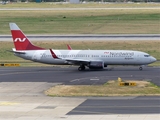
<point x="21" y="42"/>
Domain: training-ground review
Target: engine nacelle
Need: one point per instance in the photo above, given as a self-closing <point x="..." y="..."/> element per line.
<point x="96" y="65"/>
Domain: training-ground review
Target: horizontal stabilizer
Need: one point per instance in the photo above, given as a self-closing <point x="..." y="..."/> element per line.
<point x="19" y="52"/>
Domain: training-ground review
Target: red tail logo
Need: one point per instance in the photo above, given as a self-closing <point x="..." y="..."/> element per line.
<point x="19" y="39"/>
<point x="21" y="42"/>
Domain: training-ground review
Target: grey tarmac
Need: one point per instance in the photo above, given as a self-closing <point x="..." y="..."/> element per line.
<point x="71" y="76"/>
<point x="87" y="37"/>
<point x="127" y="105"/>
<point x="22" y="97"/>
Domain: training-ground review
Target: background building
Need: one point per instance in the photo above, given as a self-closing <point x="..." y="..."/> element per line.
<point x="74" y="1"/>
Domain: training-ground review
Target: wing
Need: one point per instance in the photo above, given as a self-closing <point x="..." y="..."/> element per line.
<point x="77" y="61"/>
<point x="69" y="60"/>
<point x="69" y="47"/>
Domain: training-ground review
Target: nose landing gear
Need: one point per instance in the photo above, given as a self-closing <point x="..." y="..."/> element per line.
<point x="140" y="68"/>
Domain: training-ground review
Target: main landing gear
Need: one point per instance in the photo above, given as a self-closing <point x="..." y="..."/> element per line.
<point x="81" y="68"/>
<point x="140" y="68"/>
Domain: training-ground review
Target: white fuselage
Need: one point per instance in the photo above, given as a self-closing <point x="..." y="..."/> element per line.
<point x="109" y="57"/>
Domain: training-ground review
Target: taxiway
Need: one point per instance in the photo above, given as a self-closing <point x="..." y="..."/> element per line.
<point x="70" y="75"/>
<point x="22" y="97"/>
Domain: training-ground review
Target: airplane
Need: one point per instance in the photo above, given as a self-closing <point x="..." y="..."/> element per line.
<point x="93" y="59"/>
<point x="69" y="47"/>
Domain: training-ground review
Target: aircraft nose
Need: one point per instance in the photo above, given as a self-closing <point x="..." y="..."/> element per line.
<point x="153" y="59"/>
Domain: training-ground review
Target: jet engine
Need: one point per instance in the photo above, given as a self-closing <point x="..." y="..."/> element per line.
<point x="96" y="65"/>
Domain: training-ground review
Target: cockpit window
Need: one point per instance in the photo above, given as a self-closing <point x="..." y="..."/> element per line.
<point x="146" y="55"/>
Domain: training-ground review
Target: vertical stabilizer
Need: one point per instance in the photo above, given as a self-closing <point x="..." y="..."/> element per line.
<point x="21" y="42"/>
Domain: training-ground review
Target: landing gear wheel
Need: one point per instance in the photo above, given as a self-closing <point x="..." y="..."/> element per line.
<point x="140" y="68"/>
<point x="81" y="68"/>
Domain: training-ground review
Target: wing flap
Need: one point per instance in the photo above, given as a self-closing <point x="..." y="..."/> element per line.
<point x="79" y="60"/>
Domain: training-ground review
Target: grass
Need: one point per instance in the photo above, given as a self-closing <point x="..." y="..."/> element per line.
<point x="88" y="5"/>
<point x="112" y="88"/>
<point x="151" y="47"/>
<point x="83" y="22"/>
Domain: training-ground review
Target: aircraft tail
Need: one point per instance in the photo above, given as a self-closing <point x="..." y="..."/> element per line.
<point x="21" y="42"/>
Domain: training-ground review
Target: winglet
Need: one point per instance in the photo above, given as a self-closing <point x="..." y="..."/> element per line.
<point x="69" y="47"/>
<point x="53" y="54"/>
<point x="21" y="42"/>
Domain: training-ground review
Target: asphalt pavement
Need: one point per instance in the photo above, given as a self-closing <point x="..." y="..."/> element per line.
<point x="22" y="94"/>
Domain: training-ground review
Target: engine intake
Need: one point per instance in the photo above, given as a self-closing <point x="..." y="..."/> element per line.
<point x="96" y="65"/>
